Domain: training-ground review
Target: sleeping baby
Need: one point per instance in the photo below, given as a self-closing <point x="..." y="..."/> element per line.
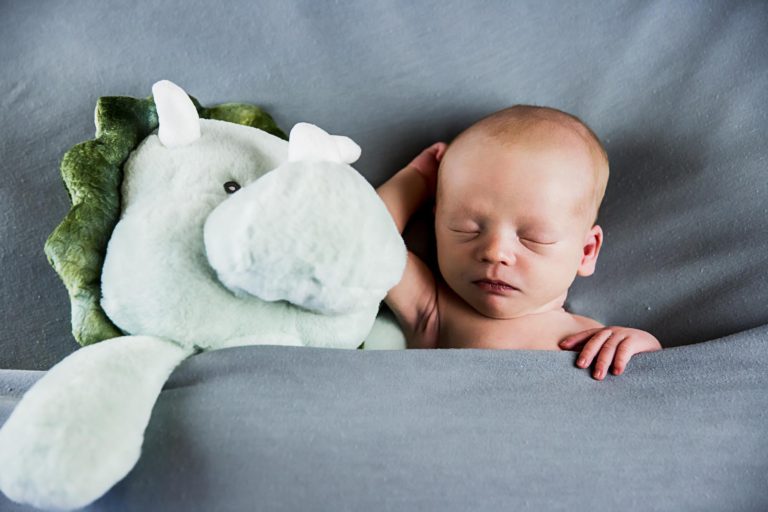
<point x="516" y="201"/>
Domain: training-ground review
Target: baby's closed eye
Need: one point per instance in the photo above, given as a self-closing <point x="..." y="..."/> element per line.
<point x="539" y="242"/>
<point x="473" y="234"/>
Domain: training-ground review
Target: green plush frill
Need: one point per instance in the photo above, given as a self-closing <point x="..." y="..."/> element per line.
<point x="92" y="173"/>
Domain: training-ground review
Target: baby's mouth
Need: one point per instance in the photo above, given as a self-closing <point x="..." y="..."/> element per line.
<point x="495" y="286"/>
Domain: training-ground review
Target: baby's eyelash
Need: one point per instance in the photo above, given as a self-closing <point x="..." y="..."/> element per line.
<point x="477" y="232"/>
<point x="526" y="239"/>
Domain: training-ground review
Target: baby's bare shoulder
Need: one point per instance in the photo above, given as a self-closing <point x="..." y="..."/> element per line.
<point x="585" y="322"/>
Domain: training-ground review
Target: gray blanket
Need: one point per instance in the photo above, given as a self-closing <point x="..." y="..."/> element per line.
<point x="284" y="428"/>
<point x="677" y="91"/>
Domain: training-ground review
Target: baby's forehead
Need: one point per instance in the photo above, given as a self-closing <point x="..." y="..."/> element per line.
<point x="549" y="197"/>
<point x="490" y="166"/>
<point x="537" y="206"/>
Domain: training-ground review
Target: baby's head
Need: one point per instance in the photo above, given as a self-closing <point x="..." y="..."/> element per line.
<point x="517" y="199"/>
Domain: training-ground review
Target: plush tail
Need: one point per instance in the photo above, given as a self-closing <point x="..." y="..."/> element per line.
<point x="80" y="428"/>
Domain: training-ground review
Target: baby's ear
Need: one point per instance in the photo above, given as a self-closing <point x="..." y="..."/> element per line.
<point x="592" y="245"/>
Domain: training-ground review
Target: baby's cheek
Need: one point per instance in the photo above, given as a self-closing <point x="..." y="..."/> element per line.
<point x="553" y="276"/>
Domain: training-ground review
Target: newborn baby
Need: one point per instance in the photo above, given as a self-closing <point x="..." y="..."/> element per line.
<point x="516" y="200"/>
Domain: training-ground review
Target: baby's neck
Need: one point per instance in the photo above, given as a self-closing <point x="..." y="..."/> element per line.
<point x="555" y="307"/>
<point x="461" y="326"/>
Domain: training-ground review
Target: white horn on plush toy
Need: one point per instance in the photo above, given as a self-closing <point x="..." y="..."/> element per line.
<point x="310" y="142"/>
<point x="177" y="115"/>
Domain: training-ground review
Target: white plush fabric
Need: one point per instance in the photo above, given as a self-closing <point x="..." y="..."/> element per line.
<point x="312" y="232"/>
<point x="386" y="333"/>
<point x="305" y="251"/>
<point x="80" y="429"/>
<point x="179" y="125"/>
<point x="287" y="237"/>
<point x="309" y="142"/>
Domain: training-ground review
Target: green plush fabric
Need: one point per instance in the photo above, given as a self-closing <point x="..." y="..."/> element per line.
<point x="92" y="174"/>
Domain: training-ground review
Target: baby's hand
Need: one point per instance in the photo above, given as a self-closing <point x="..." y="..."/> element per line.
<point x="428" y="162"/>
<point x="616" y="344"/>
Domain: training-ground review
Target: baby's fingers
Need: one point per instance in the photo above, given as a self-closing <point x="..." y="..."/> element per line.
<point x="592" y="347"/>
<point x="623" y="354"/>
<point x="440" y="148"/>
<point x="614" y="349"/>
<point x="573" y="340"/>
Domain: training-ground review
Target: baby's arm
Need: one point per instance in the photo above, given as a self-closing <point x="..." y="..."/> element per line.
<point x="414" y="299"/>
<point x="617" y="344"/>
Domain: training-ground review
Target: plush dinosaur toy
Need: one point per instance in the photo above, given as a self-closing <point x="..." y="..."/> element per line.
<point x="226" y="235"/>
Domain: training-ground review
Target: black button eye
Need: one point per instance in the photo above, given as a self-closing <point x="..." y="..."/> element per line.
<point x="231" y="187"/>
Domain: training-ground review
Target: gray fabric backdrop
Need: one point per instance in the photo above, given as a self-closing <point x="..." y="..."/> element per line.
<point x="676" y="90"/>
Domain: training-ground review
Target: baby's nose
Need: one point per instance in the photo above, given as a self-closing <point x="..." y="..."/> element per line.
<point x="499" y="250"/>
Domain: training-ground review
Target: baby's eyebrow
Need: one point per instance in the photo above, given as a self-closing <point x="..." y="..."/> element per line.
<point x="532" y="225"/>
<point x="464" y="209"/>
<point x="546" y="225"/>
<point x="460" y="214"/>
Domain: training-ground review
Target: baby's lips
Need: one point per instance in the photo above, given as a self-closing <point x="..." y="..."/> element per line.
<point x="476" y="281"/>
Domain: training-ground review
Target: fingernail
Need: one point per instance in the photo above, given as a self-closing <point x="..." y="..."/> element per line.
<point x="581" y="362"/>
<point x="599" y="374"/>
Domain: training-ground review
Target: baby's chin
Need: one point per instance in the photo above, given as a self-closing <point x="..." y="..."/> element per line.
<point x="497" y="308"/>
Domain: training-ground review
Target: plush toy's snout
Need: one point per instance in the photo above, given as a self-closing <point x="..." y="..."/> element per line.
<point x="290" y="236"/>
